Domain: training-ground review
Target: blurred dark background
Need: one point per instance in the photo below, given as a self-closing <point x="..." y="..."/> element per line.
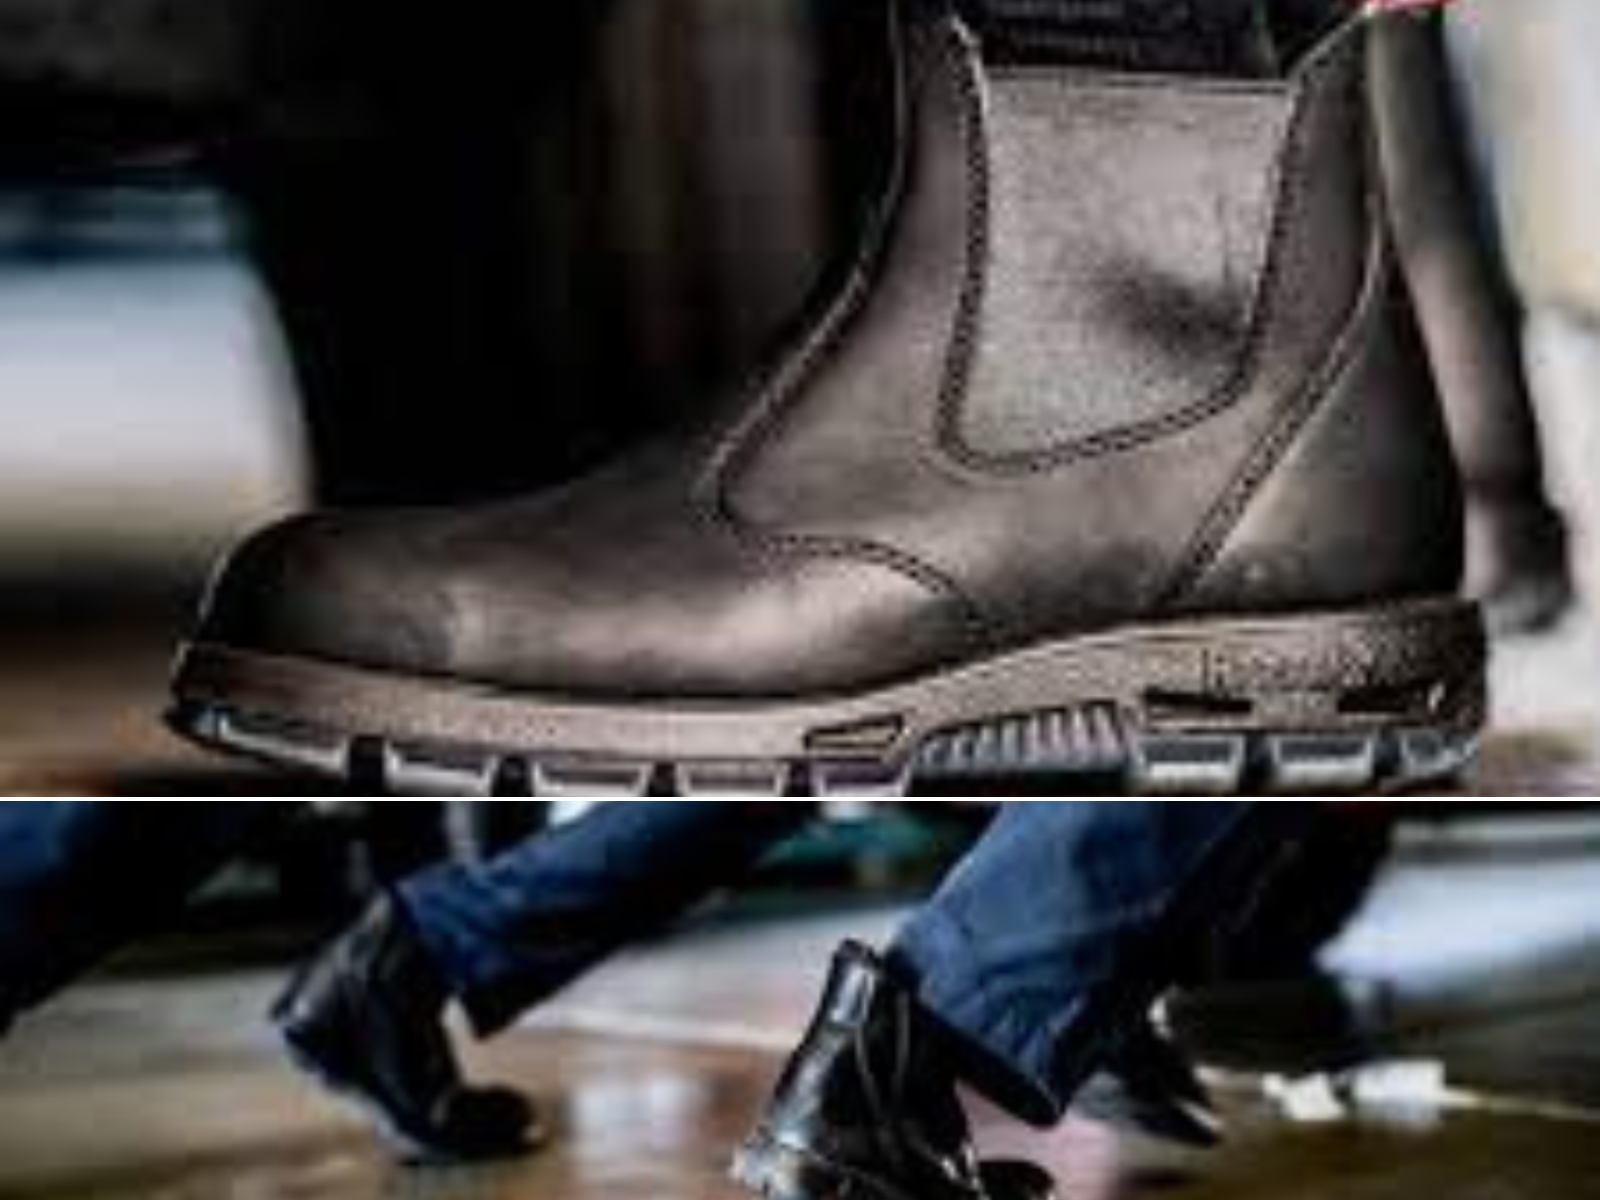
<point x="499" y="246"/>
<point x="507" y="245"/>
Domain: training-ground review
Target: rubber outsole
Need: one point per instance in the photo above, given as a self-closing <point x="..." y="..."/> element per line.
<point x="1380" y="701"/>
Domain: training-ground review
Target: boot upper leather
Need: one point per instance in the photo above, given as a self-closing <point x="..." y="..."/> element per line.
<point x="1117" y="349"/>
<point x="622" y="577"/>
<point x="869" y="1093"/>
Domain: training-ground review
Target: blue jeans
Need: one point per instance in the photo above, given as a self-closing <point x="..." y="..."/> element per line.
<point x="80" y="878"/>
<point x="1059" y="930"/>
<point x="1068" y="922"/>
<point x="513" y="932"/>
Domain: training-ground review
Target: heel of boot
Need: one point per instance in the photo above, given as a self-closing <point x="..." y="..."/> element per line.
<point x="1389" y="700"/>
<point x="1372" y="702"/>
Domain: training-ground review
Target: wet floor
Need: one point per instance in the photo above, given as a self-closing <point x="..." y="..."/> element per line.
<point x="169" y="1089"/>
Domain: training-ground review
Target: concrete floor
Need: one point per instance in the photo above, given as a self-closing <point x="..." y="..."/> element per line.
<point x="140" y="1089"/>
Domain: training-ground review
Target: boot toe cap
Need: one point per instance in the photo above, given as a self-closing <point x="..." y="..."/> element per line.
<point x="533" y="605"/>
<point x="337" y="588"/>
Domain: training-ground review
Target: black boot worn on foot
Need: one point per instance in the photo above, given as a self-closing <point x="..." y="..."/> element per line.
<point x="1116" y="453"/>
<point x="366" y="1020"/>
<point x="868" y="1107"/>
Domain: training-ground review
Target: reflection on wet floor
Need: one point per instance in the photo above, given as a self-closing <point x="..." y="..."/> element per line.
<point x="171" y="1090"/>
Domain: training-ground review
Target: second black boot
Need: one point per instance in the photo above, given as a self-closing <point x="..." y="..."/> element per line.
<point x="869" y="1107"/>
<point x="1116" y="452"/>
<point x="366" y="1019"/>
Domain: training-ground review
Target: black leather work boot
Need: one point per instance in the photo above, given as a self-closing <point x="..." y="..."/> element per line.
<point x="366" y="1020"/>
<point x="1520" y="563"/>
<point x="869" y="1107"/>
<point x="1116" y="452"/>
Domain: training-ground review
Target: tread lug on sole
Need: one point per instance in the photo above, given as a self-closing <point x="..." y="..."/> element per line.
<point x="732" y="779"/>
<point x="412" y="772"/>
<point x="1192" y="765"/>
<point x="1428" y="758"/>
<point x="1325" y="764"/>
<point x="559" y="780"/>
<point x="839" y="781"/>
<point x="296" y="749"/>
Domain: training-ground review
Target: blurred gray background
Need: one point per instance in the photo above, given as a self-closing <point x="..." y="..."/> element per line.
<point x="147" y="408"/>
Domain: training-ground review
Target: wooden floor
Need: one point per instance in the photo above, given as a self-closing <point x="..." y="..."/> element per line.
<point x="656" y="1122"/>
<point x="80" y="702"/>
<point x="169" y="1088"/>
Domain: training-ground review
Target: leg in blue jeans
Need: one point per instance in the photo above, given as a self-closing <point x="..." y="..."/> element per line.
<point x="367" y="1017"/>
<point x="1034" y="968"/>
<point x="78" y="879"/>
<point x="512" y="932"/>
<point x="1064" y="926"/>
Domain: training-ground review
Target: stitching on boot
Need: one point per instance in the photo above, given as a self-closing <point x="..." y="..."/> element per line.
<point x="735" y="457"/>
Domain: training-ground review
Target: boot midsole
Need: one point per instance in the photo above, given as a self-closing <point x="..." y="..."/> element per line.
<point x="1416" y="665"/>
